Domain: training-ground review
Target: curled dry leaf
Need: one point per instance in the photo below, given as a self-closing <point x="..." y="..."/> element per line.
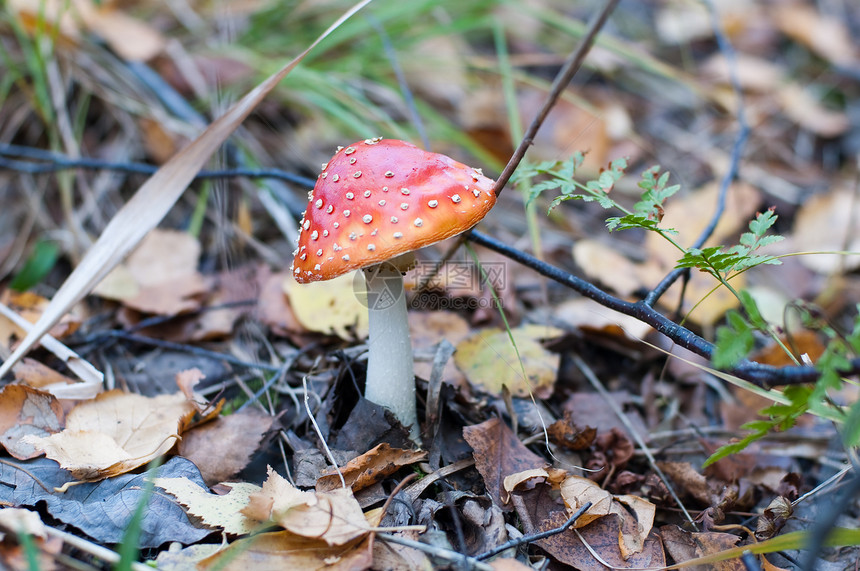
<point x="26" y="411"/>
<point x="373" y="466"/>
<point x="116" y="433"/>
<point x="577" y="491"/>
<point x="490" y="361"/>
<point x="333" y="517"/>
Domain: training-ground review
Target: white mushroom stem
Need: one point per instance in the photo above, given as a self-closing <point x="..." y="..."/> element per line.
<point x="390" y="379"/>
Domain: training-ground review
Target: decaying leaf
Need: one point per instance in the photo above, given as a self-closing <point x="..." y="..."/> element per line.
<point x="329" y="307"/>
<point x="223" y="447"/>
<point x="373" y="466"/>
<point x="115" y="433"/>
<point x="281" y="550"/>
<point x="102" y="510"/>
<point x="577" y="491"/>
<point x="824" y="224"/>
<point x="222" y="511"/>
<point x="683" y="545"/>
<point x="490" y="361"/>
<point x="160" y="276"/>
<point x="333" y="517"/>
<point x="498" y="454"/>
<point x="26" y="411"/>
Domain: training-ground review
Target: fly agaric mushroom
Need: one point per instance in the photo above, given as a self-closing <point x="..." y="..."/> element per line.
<point x="374" y="203"/>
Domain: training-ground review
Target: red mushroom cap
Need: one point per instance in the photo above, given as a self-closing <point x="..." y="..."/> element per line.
<point x="379" y="198"/>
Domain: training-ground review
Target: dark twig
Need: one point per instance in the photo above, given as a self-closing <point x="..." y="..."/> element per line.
<point x="568" y="70"/>
<point x="761" y="375"/>
<point x="536" y="536"/>
<point x="53" y="162"/>
<point x="170" y="345"/>
<point x="734" y="161"/>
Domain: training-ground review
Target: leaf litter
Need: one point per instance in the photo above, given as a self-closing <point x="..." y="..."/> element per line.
<point x="488" y="463"/>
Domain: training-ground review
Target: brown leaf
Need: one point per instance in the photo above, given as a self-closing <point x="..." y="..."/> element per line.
<point x="333" y="517"/>
<point x="802" y="108"/>
<point x="499" y="453"/>
<point x="567" y="434"/>
<point x="223" y="447"/>
<point x="23" y="411"/>
<point x="116" y="432"/>
<point x="37" y="375"/>
<point x="773" y="519"/>
<point x="688" y="481"/>
<point x="578" y="491"/>
<point x="824" y="35"/>
<point x="373" y="466"/>
<point x="824" y="223"/>
<point x="281" y="550"/>
<point x="683" y="545"/>
<point x="160" y="276"/>
<point x="602" y="536"/>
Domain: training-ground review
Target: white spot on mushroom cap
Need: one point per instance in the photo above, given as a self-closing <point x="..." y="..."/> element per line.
<point x="404" y="205"/>
<point x="367" y="194"/>
<point x="317" y="267"/>
<point x="319" y="252"/>
<point x="405" y="191"/>
<point x="353" y="236"/>
<point x="394" y="219"/>
<point x="381" y="203"/>
<point x="325" y="232"/>
<point x="367" y="218"/>
<point x="371" y="247"/>
<point x="315" y="235"/>
<point x="346" y="213"/>
<point x="389" y="174"/>
<point x="476" y="192"/>
<point x="306" y="224"/>
<point x="455" y="198"/>
<point x="352" y="160"/>
<point x="418" y="222"/>
<point x="329" y="209"/>
<point x="349" y="150"/>
<point x="349" y="196"/>
<point x="357" y="174"/>
<point x="345" y="257"/>
<point x="335" y="178"/>
<point x="433" y="203"/>
<point x="318" y="203"/>
<point x="398" y="234"/>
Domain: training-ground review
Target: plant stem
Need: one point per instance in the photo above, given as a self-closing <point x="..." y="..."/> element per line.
<point x="390" y="379"/>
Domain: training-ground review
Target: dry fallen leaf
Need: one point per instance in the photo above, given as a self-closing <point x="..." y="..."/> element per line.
<point x="490" y="361"/>
<point x="328" y="306"/>
<point x="333" y="517"/>
<point x="115" y="433"/>
<point x="825" y="223"/>
<point x="160" y="276"/>
<point x="802" y="108"/>
<point x="577" y="491"/>
<point x="281" y="550"/>
<point x="222" y="511"/>
<point x="223" y="447"/>
<point x="373" y="466"/>
<point x="825" y="35"/>
<point x="498" y="454"/>
<point x="26" y="411"/>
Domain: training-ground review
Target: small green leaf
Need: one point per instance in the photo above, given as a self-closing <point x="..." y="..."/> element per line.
<point x="734" y="341"/>
<point x="38" y="265"/>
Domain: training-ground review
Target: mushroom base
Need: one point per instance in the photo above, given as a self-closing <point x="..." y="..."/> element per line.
<point x="390" y="378"/>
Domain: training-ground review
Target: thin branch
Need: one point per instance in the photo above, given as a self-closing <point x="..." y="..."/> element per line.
<point x="734" y="160"/>
<point x="536" y="536"/>
<point x="53" y="162"/>
<point x="568" y="70"/>
<point x="761" y="375"/>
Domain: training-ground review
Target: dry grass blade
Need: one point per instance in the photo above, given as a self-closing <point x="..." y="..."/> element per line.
<point x="152" y="202"/>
